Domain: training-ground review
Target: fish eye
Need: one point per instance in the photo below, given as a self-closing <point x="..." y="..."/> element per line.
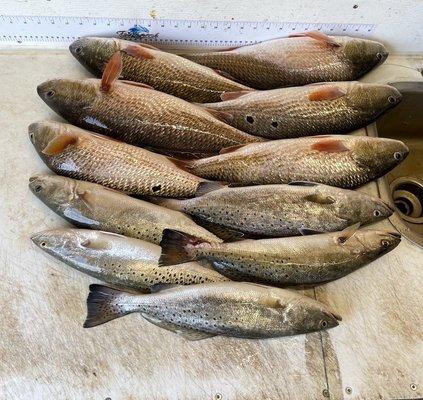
<point x="392" y="99"/>
<point x="378" y="56"/>
<point x="397" y="155"/>
<point x="384" y="243"/>
<point x="323" y="323"/>
<point x="78" y="50"/>
<point x="43" y="244"/>
<point x="250" y="119"/>
<point x="377" y="213"/>
<point x="50" y="93"/>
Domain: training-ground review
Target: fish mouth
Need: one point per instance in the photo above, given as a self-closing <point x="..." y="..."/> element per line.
<point x="35" y="184"/>
<point x="395" y="234"/>
<point x="40" y="239"/>
<point x="336" y="316"/>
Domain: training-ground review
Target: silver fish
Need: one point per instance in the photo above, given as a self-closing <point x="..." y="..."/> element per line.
<point x="282" y="210"/>
<point x="89" y="205"/>
<point x="119" y="260"/>
<point x="196" y="312"/>
<point x="292" y="261"/>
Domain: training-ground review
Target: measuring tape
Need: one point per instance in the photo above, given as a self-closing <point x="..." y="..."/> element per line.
<point x="60" y="31"/>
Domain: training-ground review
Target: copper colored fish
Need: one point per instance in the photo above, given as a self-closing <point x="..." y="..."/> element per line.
<point x="164" y="71"/>
<point x="139" y="115"/>
<point x="297" y="60"/>
<point x="343" y="161"/>
<point x="327" y="108"/>
<point x="73" y="152"/>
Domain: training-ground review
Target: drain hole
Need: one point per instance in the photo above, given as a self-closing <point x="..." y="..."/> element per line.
<point x="408" y="199"/>
<point x="404" y="206"/>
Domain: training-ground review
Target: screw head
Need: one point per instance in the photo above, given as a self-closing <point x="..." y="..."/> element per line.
<point x="325" y="393"/>
<point x="217" y="396"/>
<point x="348" y="390"/>
<point x="413" y="386"/>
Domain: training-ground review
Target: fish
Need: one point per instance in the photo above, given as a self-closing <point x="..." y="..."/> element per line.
<point x="297" y="60"/>
<point x="327" y="108"/>
<point x="89" y="205"/>
<point x="76" y="153"/>
<point x="337" y="160"/>
<point x="139" y="115"/>
<point x="299" y="208"/>
<point x="166" y="72"/>
<point x="284" y="262"/>
<point x="119" y="260"/>
<point x="196" y="312"/>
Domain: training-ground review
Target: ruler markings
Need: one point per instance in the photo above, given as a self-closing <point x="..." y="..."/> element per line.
<point x="41" y="30"/>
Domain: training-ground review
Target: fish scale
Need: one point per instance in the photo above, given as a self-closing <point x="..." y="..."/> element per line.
<point x="141" y="116"/>
<point x="296" y="61"/>
<point x="343" y="161"/>
<point x="165" y="72"/>
<point x="111" y="163"/>
<point x="289" y="112"/>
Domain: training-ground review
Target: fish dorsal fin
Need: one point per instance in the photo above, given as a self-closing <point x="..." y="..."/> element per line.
<point x="163" y="287"/>
<point x="231" y="149"/>
<point x="302" y="183"/>
<point x="347" y="233"/>
<point x="111" y="73"/>
<point x="223" y="116"/>
<point x="60" y="143"/>
<point x="138" y="84"/>
<point x="329" y="145"/>
<point x="225" y="96"/>
<point x="331" y="92"/>
<point x="186" y="333"/>
<point x="320" y="198"/>
<point x="139" y="52"/>
<point x="317" y="35"/>
<point x="208" y="187"/>
<point x="308" y="231"/>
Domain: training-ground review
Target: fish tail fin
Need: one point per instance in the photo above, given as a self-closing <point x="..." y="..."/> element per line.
<point x="104" y="304"/>
<point x="178" y="247"/>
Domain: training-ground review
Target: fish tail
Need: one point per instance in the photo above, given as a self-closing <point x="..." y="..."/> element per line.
<point x="178" y="247"/>
<point x="105" y="304"/>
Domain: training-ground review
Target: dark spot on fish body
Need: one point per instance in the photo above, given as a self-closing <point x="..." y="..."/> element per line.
<point x="250" y="119"/>
<point x="274" y="124"/>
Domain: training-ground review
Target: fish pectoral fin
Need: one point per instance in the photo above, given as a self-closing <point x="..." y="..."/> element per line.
<point x="139" y="52"/>
<point x="186" y="333"/>
<point x="60" y="143"/>
<point x="320" y="198"/>
<point x="137" y="84"/>
<point x="347" y="233"/>
<point x="220" y="115"/>
<point x="111" y="73"/>
<point x="330" y="145"/>
<point x="316" y="35"/>
<point x="308" y="231"/>
<point x="331" y="92"/>
<point x="225" y="96"/>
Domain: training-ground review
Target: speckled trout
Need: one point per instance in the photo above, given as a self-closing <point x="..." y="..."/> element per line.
<point x="196" y="312"/>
